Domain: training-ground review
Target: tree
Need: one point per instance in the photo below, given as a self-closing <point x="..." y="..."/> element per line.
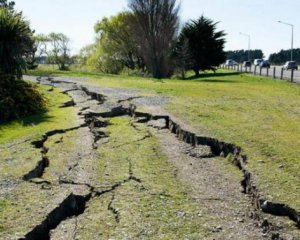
<point x="284" y="55"/>
<point x="59" y="53"/>
<point x="205" y="45"/>
<point x="37" y="51"/>
<point x="155" y="23"/>
<point x="30" y="57"/>
<point x="41" y="42"/>
<point x="115" y="36"/>
<point x="8" y="5"/>
<point x="15" y="42"/>
<point x="242" y="55"/>
<point x="183" y="56"/>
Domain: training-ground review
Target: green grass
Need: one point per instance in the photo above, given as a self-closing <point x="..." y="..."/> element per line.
<point x="26" y="200"/>
<point x="149" y="209"/>
<point x="38" y="124"/>
<point x="3" y="205"/>
<point x="30" y="128"/>
<point x="260" y="114"/>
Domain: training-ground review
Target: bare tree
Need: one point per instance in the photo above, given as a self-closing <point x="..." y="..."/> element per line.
<point x="60" y="50"/>
<point x="41" y="42"/>
<point x="156" y="24"/>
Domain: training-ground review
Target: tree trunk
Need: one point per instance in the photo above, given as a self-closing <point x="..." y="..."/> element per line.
<point x="183" y="73"/>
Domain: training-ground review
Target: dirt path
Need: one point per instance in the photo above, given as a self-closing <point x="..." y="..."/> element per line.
<point x="115" y="177"/>
<point x="216" y="190"/>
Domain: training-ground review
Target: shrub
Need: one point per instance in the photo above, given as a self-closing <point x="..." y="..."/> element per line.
<point x="18" y="98"/>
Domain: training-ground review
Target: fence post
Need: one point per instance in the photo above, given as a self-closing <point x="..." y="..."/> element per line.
<point x="274" y="72"/>
<point x="250" y="68"/>
<point x="260" y="71"/>
<point x="267" y="72"/>
<point x="281" y="75"/>
<point x="292" y="75"/>
<point x="255" y="70"/>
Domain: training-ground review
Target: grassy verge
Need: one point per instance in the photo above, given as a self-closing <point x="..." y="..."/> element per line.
<point x="35" y="125"/>
<point x="260" y="114"/>
<point x="155" y="207"/>
<point x="18" y="159"/>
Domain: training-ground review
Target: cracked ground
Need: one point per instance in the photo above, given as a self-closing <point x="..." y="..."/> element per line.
<point x="106" y="175"/>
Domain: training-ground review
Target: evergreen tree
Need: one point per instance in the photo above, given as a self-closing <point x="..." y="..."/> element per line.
<point x="205" y="45"/>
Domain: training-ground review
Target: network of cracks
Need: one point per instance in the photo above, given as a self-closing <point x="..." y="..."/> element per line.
<point x="96" y="122"/>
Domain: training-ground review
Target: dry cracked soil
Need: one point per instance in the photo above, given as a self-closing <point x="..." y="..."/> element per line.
<point x="120" y="173"/>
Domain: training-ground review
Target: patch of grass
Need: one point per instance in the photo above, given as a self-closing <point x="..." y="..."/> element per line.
<point x="78" y="72"/>
<point x="260" y="114"/>
<point x="27" y="207"/>
<point x="3" y="205"/>
<point x="158" y="207"/>
<point x="25" y="200"/>
<point x="36" y="125"/>
<point x="16" y="136"/>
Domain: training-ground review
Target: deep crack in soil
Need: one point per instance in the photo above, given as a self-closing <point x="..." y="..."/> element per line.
<point x="75" y="205"/>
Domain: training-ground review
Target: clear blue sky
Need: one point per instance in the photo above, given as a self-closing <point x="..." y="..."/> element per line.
<point x="258" y="18"/>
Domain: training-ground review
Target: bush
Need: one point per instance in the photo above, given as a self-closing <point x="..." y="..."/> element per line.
<point x="18" y="98"/>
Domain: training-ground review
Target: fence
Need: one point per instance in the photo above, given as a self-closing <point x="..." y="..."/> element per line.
<point x="274" y="72"/>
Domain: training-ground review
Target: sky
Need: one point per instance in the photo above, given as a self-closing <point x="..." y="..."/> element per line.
<point x="257" y="18"/>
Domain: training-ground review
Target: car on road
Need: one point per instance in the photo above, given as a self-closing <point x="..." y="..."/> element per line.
<point x="265" y="64"/>
<point x="257" y="62"/>
<point x="231" y="62"/>
<point x="289" y="65"/>
<point x="247" y="64"/>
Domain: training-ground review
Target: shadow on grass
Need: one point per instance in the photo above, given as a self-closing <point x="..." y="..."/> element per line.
<point x="36" y="119"/>
<point x="217" y="74"/>
<point x="215" y="81"/>
<point x="29" y="120"/>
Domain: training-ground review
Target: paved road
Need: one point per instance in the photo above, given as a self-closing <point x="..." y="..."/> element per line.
<point x="270" y="72"/>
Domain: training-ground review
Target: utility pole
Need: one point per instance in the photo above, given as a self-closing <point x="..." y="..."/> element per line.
<point x="292" y="26"/>
<point x="249" y="43"/>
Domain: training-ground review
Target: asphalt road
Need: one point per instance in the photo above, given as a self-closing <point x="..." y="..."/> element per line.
<point x="287" y="74"/>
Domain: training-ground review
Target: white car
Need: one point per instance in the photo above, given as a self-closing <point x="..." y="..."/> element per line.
<point x="231" y="62"/>
<point x="257" y="62"/>
<point x="289" y="65"/>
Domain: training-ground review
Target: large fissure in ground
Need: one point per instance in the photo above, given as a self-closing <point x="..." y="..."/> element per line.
<point x="219" y="148"/>
<point x="74" y="205"/>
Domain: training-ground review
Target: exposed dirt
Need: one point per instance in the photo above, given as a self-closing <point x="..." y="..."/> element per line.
<point x="67" y="171"/>
<point x="217" y="192"/>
